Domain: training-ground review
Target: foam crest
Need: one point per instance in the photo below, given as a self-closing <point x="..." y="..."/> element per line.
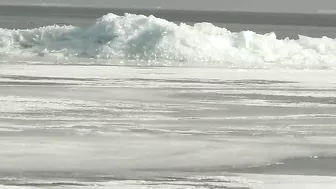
<point x="138" y="37"/>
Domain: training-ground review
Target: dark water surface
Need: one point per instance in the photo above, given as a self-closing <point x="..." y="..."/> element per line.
<point x="283" y="24"/>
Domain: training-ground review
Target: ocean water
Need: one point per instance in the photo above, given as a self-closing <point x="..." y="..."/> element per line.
<point x="134" y="101"/>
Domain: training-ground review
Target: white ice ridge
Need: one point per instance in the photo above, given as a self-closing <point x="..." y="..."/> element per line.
<point x="138" y="37"/>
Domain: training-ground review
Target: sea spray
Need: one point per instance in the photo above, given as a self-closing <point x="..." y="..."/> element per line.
<point x="147" y="38"/>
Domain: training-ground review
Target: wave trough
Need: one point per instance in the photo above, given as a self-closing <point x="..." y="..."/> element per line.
<point x="138" y="37"/>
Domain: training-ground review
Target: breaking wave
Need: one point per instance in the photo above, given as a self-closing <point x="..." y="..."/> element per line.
<point x="138" y="37"/>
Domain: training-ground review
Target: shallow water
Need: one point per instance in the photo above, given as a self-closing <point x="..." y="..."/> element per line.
<point x="157" y="126"/>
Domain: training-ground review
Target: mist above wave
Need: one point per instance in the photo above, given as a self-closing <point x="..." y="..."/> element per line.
<point x="138" y="37"/>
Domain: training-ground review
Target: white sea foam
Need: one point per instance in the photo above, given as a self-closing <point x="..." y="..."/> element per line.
<point x="138" y="37"/>
<point x="253" y="181"/>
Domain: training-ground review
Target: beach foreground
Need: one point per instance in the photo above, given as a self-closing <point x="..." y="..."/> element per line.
<point x="124" y="127"/>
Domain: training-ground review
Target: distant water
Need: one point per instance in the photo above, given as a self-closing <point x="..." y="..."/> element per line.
<point x="109" y="100"/>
